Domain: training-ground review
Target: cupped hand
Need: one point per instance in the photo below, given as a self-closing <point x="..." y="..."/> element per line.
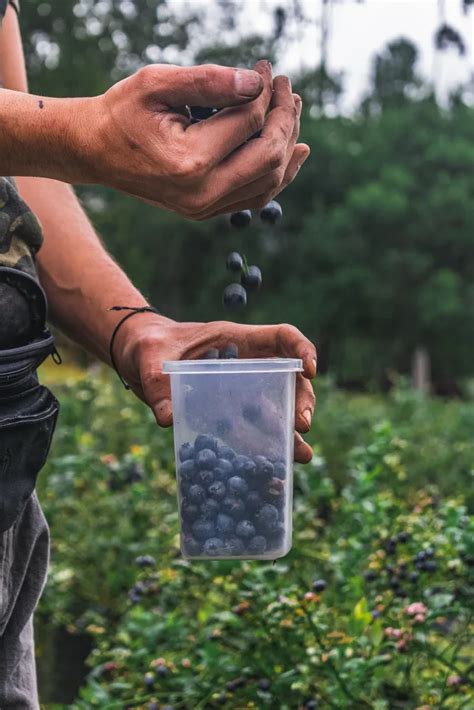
<point x="138" y="138"/>
<point x="146" y="341"/>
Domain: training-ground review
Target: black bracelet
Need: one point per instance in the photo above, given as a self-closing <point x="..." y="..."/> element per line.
<point x="134" y="311"/>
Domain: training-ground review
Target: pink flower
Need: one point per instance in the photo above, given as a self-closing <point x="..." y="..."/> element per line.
<point x="454" y="680"/>
<point x="393" y="633"/>
<point x="416" y="608"/>
<point x="419" y="618"/>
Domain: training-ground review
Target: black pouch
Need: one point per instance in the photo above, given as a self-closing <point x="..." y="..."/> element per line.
<point x="28" y="413"/>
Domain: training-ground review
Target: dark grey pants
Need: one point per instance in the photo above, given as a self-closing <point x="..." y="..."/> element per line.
<point x="24" y="557"/>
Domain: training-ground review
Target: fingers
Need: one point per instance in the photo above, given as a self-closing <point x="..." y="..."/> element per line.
<point x="303" y="451"/>
<point x="258" y="193"/>
<point x="263" y="155"/>
<point x="305" y="401"/>
<point x="157" y="392"/>
<point x="227" y="130"/>
<point x="204" y="85"/>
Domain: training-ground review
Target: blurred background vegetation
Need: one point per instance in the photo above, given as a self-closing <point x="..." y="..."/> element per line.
<point x="375" y="256"/>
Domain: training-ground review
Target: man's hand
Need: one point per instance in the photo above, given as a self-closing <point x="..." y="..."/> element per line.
<point x="146" y="341"/>
<point x="142" y="140"/>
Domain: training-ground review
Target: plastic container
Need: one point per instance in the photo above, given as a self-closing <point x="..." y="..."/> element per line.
<point x="234" y="435"/>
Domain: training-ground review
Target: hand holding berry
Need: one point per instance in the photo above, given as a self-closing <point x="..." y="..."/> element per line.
<point x="145" y="342"/>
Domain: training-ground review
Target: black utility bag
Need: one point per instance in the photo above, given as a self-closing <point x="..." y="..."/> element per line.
<point x="28" y="411"/>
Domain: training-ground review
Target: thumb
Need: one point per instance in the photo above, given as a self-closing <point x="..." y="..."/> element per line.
<point x="204" y="85"/>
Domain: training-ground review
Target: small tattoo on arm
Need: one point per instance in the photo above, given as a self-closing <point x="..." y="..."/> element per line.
<point x="40" y="104"/>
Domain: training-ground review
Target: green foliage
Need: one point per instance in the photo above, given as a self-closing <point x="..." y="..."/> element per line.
<point x="109" y="494"/>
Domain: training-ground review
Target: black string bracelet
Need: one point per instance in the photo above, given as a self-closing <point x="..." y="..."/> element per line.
<point x="133" y="311"/>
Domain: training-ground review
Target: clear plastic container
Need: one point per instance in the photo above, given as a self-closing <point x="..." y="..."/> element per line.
<point x="234" y="435"/>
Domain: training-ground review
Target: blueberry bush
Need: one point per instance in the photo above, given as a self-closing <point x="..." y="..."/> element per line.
<point x="372" y="608"/>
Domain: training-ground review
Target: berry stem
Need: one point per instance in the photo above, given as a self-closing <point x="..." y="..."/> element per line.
<point x="245" y="267"/>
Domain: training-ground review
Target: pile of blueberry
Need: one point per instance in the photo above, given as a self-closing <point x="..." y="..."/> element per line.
<point x="231" y="505"/>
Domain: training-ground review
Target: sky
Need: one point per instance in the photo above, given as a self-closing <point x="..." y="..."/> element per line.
<point x="361" y="29"/>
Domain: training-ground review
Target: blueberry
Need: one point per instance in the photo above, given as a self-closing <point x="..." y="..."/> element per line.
<point x="245" y="529"/>
<point x="211" y="354"/>
<point x="257" y="545"/>
<point x="234" y="546"/>
<point x="191" y="546"/>
<point x="161" y="671"/>
<point x="223" y="427"/>
<point x="225" y="524"/>
<point x="225" y="452"/>
<point x="134" y="473"/>
<point x="420" y="556"/>
<point x="209" y="509"/>
<point x="264" y="684"/>
<point x="253" y="501"/>
<point x="223" y="470"/>
<point x="279" y="470"/>
<point x="271" y="213"/>
<point x="233" y="506"/>
<point x="311" y="704"/>
<point x="252" y="278"/>
<point x="264" y="469"/>
<point x="196" y="494"/>
<point x="217" y="490"/>
<point x="186" y="471"/>
<point x="267" y="517"/>
<point x="370" y="575"/>
<point x="229" y="352"/>
<point x="149" y="679"/>
<point x="206" y="458"/>
<point x="189" y="511"/>
<point x="241" y="219"/>
<point x="251" y="413"/>
<point x="275" y="534"/>
<point x="244" y="467"/>
<point x="203" y="529"/>
<point x="186" y="452"/>
<point x="319" y="585"/>
<point x="390" y="546"/>
<point x="134" y="596"/>
<point x="430" y="552"/>
<point x="429" y="566"/>
<point x="234" y="297"/>
<point x="204" y="478"/>
<point x="237" y="486"/>
<point x="213" y="547"/>
<point x="403" y="537"/>
<point x="145" y="561"/>
<point x="203" y="441"/>
<point x="202" y="112"/>
<point x="234" y="262"/>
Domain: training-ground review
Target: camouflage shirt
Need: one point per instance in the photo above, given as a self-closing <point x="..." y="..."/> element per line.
<point x="20" y="231"/>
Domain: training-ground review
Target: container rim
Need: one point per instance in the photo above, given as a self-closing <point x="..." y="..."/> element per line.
<point x="232" y="366"/>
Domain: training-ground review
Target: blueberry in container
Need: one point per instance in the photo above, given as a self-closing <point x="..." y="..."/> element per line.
<point x="235" y="483"/>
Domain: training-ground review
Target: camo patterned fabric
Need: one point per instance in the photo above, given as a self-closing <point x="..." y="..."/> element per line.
<point x="20" y="231"/>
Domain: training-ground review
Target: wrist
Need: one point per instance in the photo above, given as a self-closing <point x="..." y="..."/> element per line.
<point x="135" y="336"/>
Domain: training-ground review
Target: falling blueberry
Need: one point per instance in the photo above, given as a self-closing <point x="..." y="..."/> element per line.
<point x="271" y="213"/>
<point x="252" y="278"/>
<point x="234" y="297"/>
<point x="241" y="219"/>
<point x="235" y="262"/>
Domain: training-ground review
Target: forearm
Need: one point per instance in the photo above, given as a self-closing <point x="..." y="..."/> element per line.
<point x="80" y="278"/>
